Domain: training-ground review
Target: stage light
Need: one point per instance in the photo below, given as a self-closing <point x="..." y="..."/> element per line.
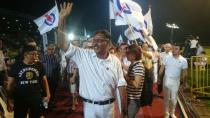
<point x="172" y="26"/>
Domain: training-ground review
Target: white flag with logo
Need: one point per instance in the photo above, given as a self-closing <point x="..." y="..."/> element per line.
<point x="48" y="21"/>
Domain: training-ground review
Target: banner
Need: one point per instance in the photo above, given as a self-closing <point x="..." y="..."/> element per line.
<point x="48" y="21"/>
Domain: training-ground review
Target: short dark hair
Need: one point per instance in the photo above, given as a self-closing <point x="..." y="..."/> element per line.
<point x="29" y="48"/>
<point x="105" y="33"/>
<point x="176" y="44"/>
<point x="135" y="49"/>
<point x="123" y="43"/>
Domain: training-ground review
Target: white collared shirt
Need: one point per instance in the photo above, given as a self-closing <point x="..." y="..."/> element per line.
<point x="163" y="56"/>
<point x="99" y="78"/>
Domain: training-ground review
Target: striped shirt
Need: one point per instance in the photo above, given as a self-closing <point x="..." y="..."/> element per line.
<point x="51" y="64"/>
<point x="136" y="68"/>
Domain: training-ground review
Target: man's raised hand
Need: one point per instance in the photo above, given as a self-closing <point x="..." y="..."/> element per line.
<point x="65" y="9"/>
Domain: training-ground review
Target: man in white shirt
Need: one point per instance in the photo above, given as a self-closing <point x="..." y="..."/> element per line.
<point x="193" y="46"/>
<point x="100" y="72"/>
<point x="166" y="53"/>
<point x="175" y="66"/>
<point x="163" y="55"/>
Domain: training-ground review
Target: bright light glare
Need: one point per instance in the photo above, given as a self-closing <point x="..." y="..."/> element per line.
<point x="88" y="36"/>
<point x="71" y="36"/>
<point x="173" y="26"/>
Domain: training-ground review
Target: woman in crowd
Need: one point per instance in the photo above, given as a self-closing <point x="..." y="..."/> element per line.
<point x="135" y="79"/>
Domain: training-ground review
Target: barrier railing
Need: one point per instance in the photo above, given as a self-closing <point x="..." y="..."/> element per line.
<point x="199" y="75"/>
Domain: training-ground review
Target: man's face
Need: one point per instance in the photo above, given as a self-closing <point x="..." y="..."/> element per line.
<point x="145" y="47"/>
<point x="32" y="43"/>
<point x="100" y="43"/>
<point x="123" y="49"/>
<point x="50" y="50"/>
<point x="31" y="56"/>
<point x="176" y="50"/>
<point x="167" y="48"/>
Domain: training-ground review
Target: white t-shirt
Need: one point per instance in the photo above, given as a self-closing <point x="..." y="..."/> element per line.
<point x="99" y="78"/>
<point x="174" y="66"/>
<point x="193" y="43"/>
<point x="127" y="63"/>
<point x="163" y="56"/>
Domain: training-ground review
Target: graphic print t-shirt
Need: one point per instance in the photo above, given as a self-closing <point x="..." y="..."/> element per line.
<point x="28" y="79"/>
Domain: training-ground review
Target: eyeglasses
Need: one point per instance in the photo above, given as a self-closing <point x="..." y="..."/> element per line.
<point x="101" y="40"/>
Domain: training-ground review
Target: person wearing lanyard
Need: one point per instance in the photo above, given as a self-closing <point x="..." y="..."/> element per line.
<point x="100" y="72"/>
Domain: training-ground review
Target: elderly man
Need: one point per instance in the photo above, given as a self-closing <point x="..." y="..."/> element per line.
<point x="100" y="72"/>
<point x="52" y="66"/>
<point x="163" y="55"/>
<point x="175" y="66"/>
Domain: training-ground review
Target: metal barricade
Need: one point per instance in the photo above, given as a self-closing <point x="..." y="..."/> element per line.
<point x="199" y="75"/>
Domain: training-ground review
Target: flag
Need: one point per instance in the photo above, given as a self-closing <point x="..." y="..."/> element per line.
<point x="128" y="42"/>
<point x="48" y="21"/>
<point x="132" y="34"/>
<point x="148" y="21"/>
<point x="120" y="40"/>
<point x="113" y="13"/>
<point x="128" y="12"/>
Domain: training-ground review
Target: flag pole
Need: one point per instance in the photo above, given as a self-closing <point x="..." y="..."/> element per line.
<point x="110" y="20"/>
<point x="110" y="26"/>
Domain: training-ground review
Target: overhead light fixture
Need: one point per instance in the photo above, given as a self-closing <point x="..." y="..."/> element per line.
<point x="71" y="36"/>
<point x="3" y="18"/>
<point x="16" y="20"/>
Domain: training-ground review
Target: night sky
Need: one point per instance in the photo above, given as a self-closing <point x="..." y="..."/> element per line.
<point x="192" y="16"/>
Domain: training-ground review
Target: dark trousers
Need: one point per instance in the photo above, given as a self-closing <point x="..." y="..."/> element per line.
<point x="23" y="106"/>
<point x="53" y="83"/>
<point x="147" y="94"/>
<point x="2" y="77"/>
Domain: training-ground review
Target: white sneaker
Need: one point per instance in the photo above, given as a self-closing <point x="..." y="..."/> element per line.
<point x="173" y="116"/>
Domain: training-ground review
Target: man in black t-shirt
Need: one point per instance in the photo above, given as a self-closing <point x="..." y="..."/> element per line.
<point x="25" y="88"/>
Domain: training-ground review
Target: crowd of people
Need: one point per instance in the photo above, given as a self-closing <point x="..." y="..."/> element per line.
<point x="102" y="75"/>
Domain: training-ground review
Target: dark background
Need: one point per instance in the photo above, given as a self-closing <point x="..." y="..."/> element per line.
<point x="192" y="16"/>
